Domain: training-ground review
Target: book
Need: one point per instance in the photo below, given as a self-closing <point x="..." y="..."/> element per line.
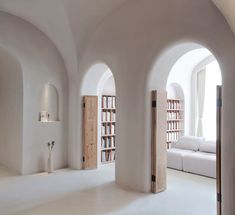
<point x="108" y="116"/>
<point x="104" y="102"/>
<point x="113" y="102"/>
<point x="112" y="129"/>
<point x="110" y="102"/>
<point x="104" y="116"/>
<point x="103" y="132"/>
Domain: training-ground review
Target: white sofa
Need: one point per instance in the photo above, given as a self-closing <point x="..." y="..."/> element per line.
<point x="194" y="155"/>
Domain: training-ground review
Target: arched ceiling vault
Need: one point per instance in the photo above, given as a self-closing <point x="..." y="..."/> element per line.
<point x="227" y="7"/>
<point x="71" y="23"/>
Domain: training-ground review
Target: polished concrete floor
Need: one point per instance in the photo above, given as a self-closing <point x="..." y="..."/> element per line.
<point x="69" y="192"/>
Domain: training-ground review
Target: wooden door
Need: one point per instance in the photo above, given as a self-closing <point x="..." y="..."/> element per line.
<point x="158" y="141"/>
<point x="218" y="148"/>
<point x="90" y="117"/>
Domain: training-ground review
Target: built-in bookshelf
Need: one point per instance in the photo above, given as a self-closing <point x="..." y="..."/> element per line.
<point x="108" y="129"/>
<point x="175" y="120"/>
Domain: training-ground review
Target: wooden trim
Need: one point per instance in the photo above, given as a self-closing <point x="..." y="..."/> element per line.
<point x="153" y="142"/>
<point x="158" y="141"/>
<point x="90" y="120"/>
<point x="108" y="135"/>
<point x="218" y="148"/>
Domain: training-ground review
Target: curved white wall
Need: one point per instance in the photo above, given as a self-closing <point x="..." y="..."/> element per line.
<point x="175" y="91"/>
<point x="40" y="63"/>
<point x="153" y="32"/>
<point x="109" y="86"/>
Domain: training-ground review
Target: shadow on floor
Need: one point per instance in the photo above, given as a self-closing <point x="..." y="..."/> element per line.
<point x="98" y="200"/>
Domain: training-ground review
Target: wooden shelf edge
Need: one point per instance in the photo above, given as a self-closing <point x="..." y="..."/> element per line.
<point x="108" y="135"/>
<point x="108" y="148"/>
<point x="107" y="162"/>
<point x="175" y="130"/>
<point x="175" y="120"/>
<point x="49" y="121"/>
<point x="175" y="109"/>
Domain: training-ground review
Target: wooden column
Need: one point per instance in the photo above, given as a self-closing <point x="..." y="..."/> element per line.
<point x="218" y="148"/>
<point x="90" y="120"/>
<point x="158" y="141"/>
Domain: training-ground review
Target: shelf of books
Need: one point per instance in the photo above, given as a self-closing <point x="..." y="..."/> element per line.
<point x="108" y="123"/>
<point x="175" y="120"/>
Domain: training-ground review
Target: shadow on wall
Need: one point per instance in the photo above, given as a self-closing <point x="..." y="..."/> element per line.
<point x="11" y="112"/>
<point x="175" y="91"/>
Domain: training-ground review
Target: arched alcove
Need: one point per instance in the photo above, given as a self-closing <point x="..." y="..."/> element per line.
<point x="174" y="90"/>
<point x="49" y="105"/>
<point x="41" y="63"/>
<point x="11" y="112"/>
<point x="94" y="79"/>
<point x="98" y="80"/>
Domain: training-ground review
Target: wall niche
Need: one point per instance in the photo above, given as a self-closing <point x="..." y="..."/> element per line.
<point x="49" y="104"/>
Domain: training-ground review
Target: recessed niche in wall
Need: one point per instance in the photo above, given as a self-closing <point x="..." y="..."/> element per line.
<point x="49" y="104"/>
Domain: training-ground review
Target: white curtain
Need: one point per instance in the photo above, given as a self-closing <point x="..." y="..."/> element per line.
<point x="201" y="85"/>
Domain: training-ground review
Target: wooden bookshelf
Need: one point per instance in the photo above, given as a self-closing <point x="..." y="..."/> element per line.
<point x="175" y="120"/>
<point x="108" y="128"/>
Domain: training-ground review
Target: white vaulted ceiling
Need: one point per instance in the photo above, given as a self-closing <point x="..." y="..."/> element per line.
<point x="71" y="23"/>
<point x="227" y="7"/>
<point x="68" y="23"/>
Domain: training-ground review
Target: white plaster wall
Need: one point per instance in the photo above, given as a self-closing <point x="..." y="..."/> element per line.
<point x="109" y="87"/>
<point x="11" y="112"/>
<point x="146" y="36"/>
<point x="41" y="64"/>
<point x="172" y="91"/>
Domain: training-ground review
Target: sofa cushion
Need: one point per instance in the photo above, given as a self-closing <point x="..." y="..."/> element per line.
<point x="208" y="146"/>
<point x="189" y="143"/>
<point x="201" y="163"/>
<point x="175" y="158"/>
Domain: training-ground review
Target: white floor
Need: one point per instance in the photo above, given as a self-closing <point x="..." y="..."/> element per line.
<point x="68" y="192"/>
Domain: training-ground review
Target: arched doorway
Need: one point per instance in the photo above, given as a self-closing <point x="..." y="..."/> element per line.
<point x="99" y="82"/>
<point x="174" y="70"/>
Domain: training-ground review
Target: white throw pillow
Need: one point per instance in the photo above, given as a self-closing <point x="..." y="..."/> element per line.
<point x="189" y="143"/>
<point x="208" y="146"/>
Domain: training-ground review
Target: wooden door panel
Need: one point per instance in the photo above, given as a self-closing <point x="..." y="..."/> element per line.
<point x="90" y="114"/>
<point x="158" y="142"/>
<point x="218" y="148"/>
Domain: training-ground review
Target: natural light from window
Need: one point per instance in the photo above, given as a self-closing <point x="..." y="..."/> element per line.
<point x="213" y="78"/>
